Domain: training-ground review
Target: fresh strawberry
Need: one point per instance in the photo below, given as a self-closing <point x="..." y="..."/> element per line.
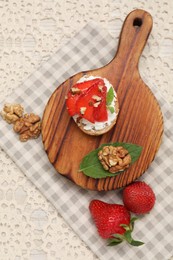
<point x="109" y="217"/>
<point x="138" y="197"/>
<point x="113" y="222"/>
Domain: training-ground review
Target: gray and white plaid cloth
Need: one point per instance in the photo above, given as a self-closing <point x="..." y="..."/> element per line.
<point x="91" y="48"/>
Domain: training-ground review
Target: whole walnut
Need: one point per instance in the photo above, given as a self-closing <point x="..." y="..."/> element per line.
<point x="114" y="159"/>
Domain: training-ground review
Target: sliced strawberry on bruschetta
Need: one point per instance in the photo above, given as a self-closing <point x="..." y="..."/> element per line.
<point x="85" y="85"/>
<point x="100" y="110"/>
<point x="89" y="101"/>
<point x="93" y="104"/>
<point x="71" y="103"/>
<point x="78" y="90"/>
<point x="100" y="113"/>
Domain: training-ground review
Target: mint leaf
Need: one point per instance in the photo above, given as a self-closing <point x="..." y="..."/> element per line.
<point x="92" y="167"/>
<point x="110" y="96"/>
<point x="111" y="109"/>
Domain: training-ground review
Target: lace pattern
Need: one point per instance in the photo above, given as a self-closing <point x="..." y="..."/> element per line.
<point x="30" y="32"/>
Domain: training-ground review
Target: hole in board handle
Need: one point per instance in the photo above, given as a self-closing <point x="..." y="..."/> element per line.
<point x="137" y="22"/>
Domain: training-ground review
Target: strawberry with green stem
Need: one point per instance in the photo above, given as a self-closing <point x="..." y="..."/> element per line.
<point x="113" y="222"/>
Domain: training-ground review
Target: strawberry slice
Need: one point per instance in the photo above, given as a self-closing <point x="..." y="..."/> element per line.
<point x="88" y="84"/>
<point x="88" y="100"/>
<point x="84" y="103"/>
<point x="73" y="97"/>
<point x="71" y="103"/>
<point x="100" y="112"/>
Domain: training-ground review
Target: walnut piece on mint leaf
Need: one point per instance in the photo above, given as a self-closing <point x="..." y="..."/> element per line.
<point x="114" y="159"/>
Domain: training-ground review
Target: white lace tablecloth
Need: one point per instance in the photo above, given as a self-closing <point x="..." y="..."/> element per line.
<point x="30" y="32"/>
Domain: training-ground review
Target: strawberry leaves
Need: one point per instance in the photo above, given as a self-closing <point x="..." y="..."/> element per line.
<point x="92" y="167"/>
<point x="127" y="236"/>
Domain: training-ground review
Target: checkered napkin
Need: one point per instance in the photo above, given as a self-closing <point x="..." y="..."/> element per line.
<point x="91" y="48"/>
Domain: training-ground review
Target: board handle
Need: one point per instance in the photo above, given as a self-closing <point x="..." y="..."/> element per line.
<point x="134" y="34"/>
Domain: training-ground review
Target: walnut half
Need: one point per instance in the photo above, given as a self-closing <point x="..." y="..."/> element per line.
<point x="28" y="127"/>
<point x="114" y="159"/>
<point x="12" y="112"/>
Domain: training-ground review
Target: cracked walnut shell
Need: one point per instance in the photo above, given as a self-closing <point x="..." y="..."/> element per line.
<point x="114" y="159"/>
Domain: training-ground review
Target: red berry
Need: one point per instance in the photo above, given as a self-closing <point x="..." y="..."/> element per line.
<point x="84" y="99"/>
<point x="109" y="217"/>
<point x="71" y="103"/>
<point x="100" y="112"/>
<point x="72" y="99"/>
<point x="85" y="85"/>
<point x="113" y="222"/>
<point x="138" y="197"/>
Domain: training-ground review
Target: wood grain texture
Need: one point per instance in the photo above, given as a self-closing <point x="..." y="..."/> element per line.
<point x="140" y="119"/>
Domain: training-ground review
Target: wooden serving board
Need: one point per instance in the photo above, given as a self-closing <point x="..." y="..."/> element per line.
<point x="140" y="119"/>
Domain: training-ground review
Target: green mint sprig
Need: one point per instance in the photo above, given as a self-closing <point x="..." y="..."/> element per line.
<point x="109" y="99"/>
